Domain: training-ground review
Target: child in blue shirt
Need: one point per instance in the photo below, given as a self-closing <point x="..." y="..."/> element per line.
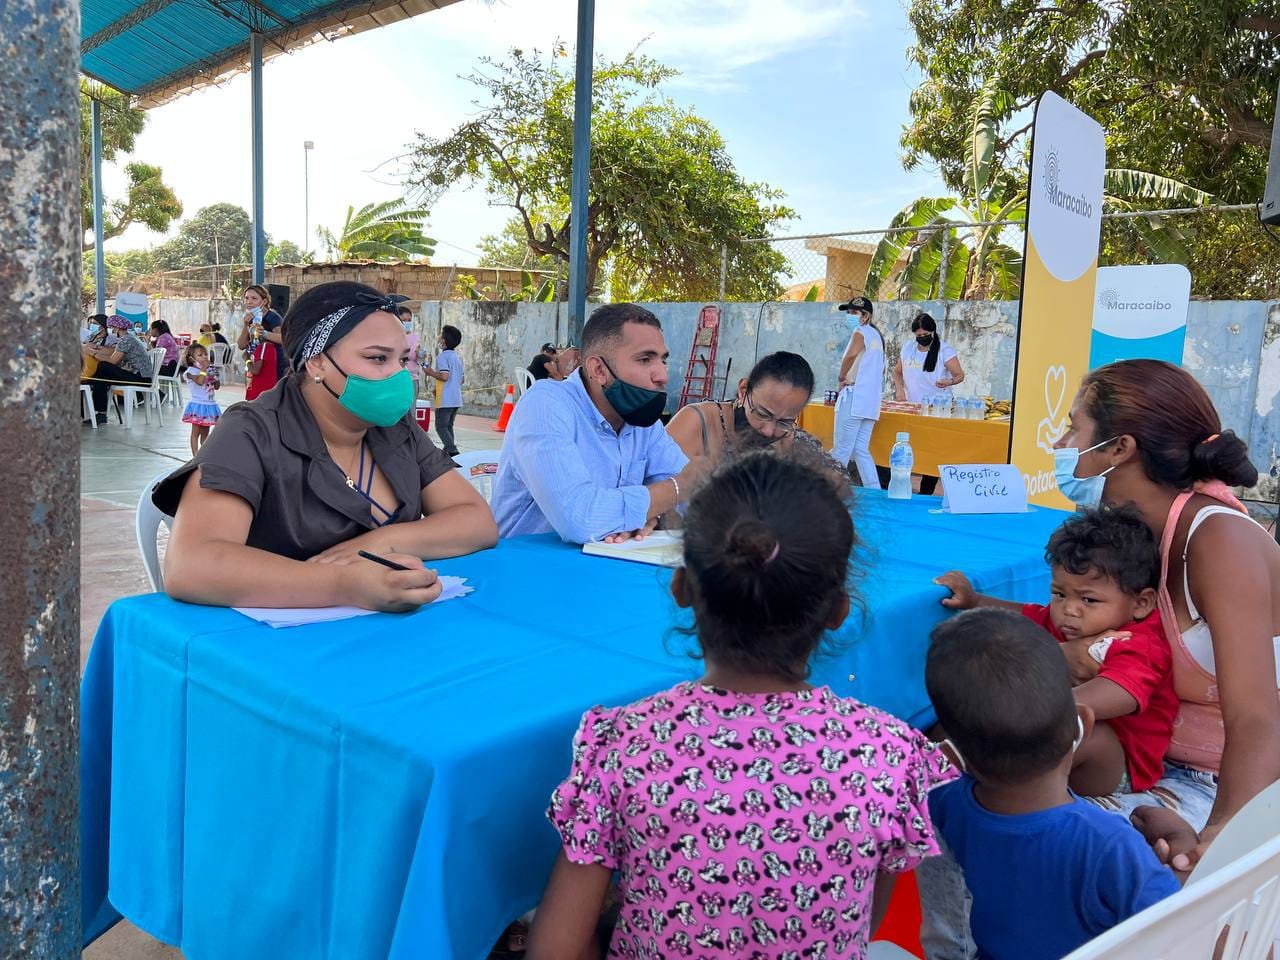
<point x="448" y="370"/>
<point x="1047" y="870"/>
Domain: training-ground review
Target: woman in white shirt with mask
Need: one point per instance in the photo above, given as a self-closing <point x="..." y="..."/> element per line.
<point x="928" y="367"/>
<point x="861" y="388"/>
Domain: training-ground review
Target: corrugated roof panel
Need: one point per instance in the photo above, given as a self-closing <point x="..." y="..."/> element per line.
<point x="160" y="49"/>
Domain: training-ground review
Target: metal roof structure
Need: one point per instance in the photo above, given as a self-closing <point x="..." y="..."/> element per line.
<point x="157" y="50"/>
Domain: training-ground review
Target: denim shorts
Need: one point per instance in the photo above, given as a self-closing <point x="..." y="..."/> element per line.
<point x="1187" y="792"/>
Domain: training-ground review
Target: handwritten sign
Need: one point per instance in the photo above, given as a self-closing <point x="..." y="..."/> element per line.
<point x="983" y="488"/>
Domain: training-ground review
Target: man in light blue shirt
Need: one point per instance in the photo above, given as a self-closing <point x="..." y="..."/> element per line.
<point x="586" y="456"/>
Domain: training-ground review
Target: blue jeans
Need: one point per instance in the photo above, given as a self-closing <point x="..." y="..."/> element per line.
<point x="945" y="900"/>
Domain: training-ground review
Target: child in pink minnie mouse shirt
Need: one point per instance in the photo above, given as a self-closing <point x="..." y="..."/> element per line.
<point x="748" y="814"/>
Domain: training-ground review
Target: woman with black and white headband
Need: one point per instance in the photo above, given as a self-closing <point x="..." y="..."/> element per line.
<point x="275" y="507"/>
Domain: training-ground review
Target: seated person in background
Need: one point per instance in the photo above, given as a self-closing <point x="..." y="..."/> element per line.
<point x="544" y="365"/>
<point x="763" y="414"/>
<point x="123" y="361"/>
<point x="1106" y="567"/>
<point x="275" y="507"/>
<point x="566" y="362"/>
<point x="587" y="457"/>
<point x="206" y="335"/>
<point x="217" y="334"/>
<point x="1047" y="870"/>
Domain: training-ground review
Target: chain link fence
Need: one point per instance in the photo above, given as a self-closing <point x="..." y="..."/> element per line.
<point x="1230" y="254"/>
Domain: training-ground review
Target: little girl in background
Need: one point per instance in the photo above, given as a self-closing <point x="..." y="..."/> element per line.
<point x="748" y="813"/>
<point x="202" y="413"/>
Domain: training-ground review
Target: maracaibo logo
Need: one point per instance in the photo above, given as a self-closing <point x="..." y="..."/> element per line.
<point x="1072" y="203"/>
<point x="1110" y="300"/>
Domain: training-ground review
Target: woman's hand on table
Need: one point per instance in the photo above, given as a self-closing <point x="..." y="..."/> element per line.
<point x="372" y="586"/>
<point x="375" y="541"/>
<point x="963" y="596"/>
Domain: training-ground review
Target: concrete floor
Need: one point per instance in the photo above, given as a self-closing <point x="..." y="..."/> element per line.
<point x="115" y="466"/>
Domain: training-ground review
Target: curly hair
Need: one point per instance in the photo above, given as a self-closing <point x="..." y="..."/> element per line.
<point x="1114" y="542"/>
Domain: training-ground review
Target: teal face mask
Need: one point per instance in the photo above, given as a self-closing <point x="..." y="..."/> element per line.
<point x="379" y="402"/>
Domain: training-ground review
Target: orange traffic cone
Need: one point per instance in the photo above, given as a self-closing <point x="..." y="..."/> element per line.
<point x="508" y="404"/>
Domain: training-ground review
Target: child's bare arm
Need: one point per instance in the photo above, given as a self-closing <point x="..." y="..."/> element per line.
<point x="880" y="898"/>
<point x="565" y="924"/>
<point x="964" y="597"/>
<point x="1106" y="698"/>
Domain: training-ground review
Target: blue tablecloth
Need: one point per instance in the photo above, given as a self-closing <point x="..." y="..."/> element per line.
<point x="375" y="787"/>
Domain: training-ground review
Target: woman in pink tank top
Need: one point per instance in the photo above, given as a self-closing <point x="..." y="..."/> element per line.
<point x="1148" y="434"/>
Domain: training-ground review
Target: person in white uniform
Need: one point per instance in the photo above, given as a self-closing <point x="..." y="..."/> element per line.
<point x="928" y="367"/>
<point x="861" y="388"/>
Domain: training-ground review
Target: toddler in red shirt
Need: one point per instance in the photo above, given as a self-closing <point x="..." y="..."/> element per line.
<point x="1106" y="568"/>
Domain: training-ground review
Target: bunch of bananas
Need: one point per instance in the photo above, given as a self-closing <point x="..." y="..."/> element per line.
<point x="998" y="409"/>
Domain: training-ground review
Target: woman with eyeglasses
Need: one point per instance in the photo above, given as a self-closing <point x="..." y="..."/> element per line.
<point x="763" y="414"/>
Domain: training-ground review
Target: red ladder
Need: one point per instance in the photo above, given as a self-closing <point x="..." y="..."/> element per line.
<point x="699" y="376"/>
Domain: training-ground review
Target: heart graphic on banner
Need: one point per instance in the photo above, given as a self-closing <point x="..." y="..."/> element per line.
<point x="1055" y="382"/>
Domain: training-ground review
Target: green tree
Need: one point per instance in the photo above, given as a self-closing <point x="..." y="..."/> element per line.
<point x="148" y="199"/>
<point x="218" y="233"/>
<point x="123" y="267"/>
<point x="391" y="230"/>
<point x="985" y="262"/>
<point x="510" y="248"/>
<point x="286" y="251"/>
<point x="1185" y="89"/>
<point x="664" y="192"/>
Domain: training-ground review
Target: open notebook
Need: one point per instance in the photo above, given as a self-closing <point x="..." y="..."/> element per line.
<point x="662" y="548"/>
<point x="452" y="587"/>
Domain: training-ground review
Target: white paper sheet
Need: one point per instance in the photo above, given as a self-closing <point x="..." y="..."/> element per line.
<point x="453" y="587"/>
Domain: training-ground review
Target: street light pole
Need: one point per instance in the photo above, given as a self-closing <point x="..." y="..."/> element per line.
<point x="307" y="147"/>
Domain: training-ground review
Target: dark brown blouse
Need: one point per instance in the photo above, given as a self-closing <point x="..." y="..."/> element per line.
<point x="270" y="453"/>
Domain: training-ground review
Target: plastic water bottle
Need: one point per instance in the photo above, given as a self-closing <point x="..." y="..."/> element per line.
<point x="901" y="460"/>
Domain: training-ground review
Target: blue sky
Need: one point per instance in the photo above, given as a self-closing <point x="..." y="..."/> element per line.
<point x="810" y="95"/>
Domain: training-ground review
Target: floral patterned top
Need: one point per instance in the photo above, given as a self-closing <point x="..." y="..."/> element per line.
<point x="746" y="825"/>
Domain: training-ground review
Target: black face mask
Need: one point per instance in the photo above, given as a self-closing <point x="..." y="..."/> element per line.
<point x="925" y="339"/>
<point x="637" y="406"/>
<point x="744" y="433"/>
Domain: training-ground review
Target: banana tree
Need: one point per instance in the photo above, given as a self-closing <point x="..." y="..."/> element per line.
<point x="391" y="230"/>
<point x="984" y="261"/>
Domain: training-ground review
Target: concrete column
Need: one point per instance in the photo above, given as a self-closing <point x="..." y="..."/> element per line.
<point x="40" y="254"/>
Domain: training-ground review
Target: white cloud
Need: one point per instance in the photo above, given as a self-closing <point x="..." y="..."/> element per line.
<point x="709" y="41"/>
<point x="360" y="99"/>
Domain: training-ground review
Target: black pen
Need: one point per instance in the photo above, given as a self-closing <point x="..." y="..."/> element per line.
<point x="382" y="560"/>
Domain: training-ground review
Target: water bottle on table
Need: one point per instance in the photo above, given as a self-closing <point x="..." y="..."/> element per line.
<point x="901" y="460"/>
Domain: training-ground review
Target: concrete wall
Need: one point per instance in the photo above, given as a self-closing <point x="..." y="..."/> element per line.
<point x="1233" y="347"/>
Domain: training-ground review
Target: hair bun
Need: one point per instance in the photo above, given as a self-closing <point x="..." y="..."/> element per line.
<point x="751" y="544"/>
<point x="1224" y="457"/>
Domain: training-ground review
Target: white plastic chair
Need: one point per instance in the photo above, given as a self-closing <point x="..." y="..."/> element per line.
<point x="220" y="357"/>
<point x="1255" y="823"/>
<point x="149" y="393"/>
<point x="86" y="403"/>
<point x="172" y="387"/>
<point x="482" y="482"/>
<point x="146" y="527"/>
<point x="1242" y="898"/>
<point x="524" y="380"/>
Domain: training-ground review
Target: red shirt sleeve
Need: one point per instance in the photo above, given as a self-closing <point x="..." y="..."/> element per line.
<point x="1141" y="664"/>
<point x="1040" y="617"/>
